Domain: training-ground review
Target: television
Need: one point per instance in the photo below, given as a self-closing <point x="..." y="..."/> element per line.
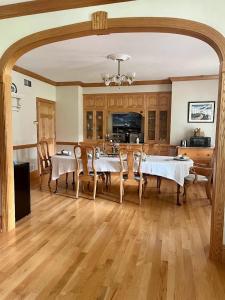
<point x="127" y="122"/>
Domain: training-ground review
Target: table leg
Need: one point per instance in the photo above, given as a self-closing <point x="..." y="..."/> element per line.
<point x="158" y="183"/>
<point x="56" y="186"/>
<point x="178" y="195"/>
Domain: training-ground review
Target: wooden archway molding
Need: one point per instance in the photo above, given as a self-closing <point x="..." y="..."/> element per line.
<point x="165" y="25"/>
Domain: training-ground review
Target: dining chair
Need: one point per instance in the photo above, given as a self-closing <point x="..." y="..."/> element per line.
<point x="199" y="175"/>
<point x="100" y="145"/>
<point x="45" y="164"/>
<point x="85" y="168"/>
<point x="128" y="176"/>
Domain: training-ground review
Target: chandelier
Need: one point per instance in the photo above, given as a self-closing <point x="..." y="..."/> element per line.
<point x="118" y="78"/>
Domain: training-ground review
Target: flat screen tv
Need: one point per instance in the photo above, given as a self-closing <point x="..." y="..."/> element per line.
<point x="126" y="122"/>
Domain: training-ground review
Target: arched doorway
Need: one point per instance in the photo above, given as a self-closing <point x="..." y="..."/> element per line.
<point x="166" y="25"/>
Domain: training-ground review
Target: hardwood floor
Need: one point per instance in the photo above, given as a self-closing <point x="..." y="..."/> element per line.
<point x="85" y="249"/>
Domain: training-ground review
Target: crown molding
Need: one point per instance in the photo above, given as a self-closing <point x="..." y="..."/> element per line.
<point x="40" y="6"/>
<point x="33" y="75"/>
<point x="101" y="84"/>
<point x="192" y="78"/>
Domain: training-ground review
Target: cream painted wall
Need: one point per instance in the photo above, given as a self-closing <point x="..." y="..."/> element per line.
<point x="24" y="131"/>
<point x="182" y="93"/>
<point x="205" y="11"/>
<point x="69" y="114"/>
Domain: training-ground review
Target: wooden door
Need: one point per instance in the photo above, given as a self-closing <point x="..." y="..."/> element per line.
<point x="46" y="123"/>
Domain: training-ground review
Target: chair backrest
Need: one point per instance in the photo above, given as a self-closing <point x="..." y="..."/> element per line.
<point x="135" y="147"/>
<point x="204" y="171"/>
<point x="43" y="155"/>
<point x="130" y="157"/>
<point x="84" y="154"/>
<point x="108" y="147"/>
<point x="100" y="145"/>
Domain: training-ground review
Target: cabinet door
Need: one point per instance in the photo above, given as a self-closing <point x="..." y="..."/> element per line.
<point x="100" y="101"/>
<point x="135" y="101"/>
<point x="89" y="125"/>
<point x="164" y="101"/>
<point x="117" y="101"/>
<point x="163" y="126"/>
<point x="152" y="125"/>
<point x="89" y="101"/>
<point x="99" y="125"/>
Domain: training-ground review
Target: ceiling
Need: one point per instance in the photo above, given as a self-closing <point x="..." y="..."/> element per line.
<point x="6" y="2"/>
<point x="153" y="56"/>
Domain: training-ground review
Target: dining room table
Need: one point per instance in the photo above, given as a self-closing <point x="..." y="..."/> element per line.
<point x="163" y="166"/>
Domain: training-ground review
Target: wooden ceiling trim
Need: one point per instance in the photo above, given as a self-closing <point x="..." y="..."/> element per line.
<point x="191" y="78"/>
<point x="101" y="84"/>
<point x="33" y="75"/>
<point x="40" y="6"/>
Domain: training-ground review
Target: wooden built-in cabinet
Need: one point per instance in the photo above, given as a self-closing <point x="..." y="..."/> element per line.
<point x="154" y="107"/>
<point x="202" y="155"/>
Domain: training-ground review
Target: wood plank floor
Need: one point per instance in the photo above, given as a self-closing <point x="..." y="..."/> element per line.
<point x="84" y="249"/>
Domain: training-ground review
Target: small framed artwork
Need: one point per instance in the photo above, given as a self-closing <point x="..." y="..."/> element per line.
<point x="201" y="112"/>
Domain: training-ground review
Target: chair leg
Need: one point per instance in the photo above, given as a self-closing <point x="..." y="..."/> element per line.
<point x="73" y="183"/>
<point x="208" y="192"/>
<point x="185" y="194"/>
<point x="103" y="177"/>
<point x="41" y="181"/>
<point x="121" y="190"/>
<point x="67" y="180"/>
<point x="77" y="187"/>
<point x="49" y="180"/>
<point x="158" y="183"/>
<point x="94" y="188"/>
<point x="83" y="186"/>
<point x="140" y="191"/>
<point x="108" y="180"/>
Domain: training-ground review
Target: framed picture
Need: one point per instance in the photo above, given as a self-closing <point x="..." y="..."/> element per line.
<point x="201" y="112"/>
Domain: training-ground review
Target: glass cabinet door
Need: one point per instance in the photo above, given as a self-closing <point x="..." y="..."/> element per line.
<point x="163" y="126"/>
<point x="99" y="125"/>
<point x="89" y="124"/>
<point x="152" y="125"/>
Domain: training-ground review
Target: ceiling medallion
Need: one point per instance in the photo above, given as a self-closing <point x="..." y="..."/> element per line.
<point x="118" y="79"/>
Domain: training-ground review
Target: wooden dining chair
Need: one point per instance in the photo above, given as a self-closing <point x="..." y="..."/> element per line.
<point x="45" y="164"/>
<point x="127" y="174"/>
<point x="85" y="171"/>
<point x="199" y="175"/>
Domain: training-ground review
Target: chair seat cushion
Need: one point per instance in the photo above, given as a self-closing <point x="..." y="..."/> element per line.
<point x="191" y="177"/>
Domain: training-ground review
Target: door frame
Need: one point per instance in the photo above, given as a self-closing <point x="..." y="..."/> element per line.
<point x="115" y="25"/>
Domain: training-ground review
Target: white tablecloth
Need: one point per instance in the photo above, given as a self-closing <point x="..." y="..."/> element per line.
<point x="164" y="166"/>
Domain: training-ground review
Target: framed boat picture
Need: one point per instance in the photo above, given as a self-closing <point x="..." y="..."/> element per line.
<point x="201" y="112"/>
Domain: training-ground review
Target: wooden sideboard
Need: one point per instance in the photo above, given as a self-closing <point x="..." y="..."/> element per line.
<point x="154" y="107"/>
<point x="198" y="154"/>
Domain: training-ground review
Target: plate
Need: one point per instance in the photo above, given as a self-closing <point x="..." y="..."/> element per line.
<point x="181" y="158"/>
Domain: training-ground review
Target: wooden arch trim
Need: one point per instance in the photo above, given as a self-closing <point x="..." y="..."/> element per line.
<point x="117" y="25"/>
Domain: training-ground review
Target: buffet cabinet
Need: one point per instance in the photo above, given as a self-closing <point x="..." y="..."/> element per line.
<point x="154" y="107"/>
